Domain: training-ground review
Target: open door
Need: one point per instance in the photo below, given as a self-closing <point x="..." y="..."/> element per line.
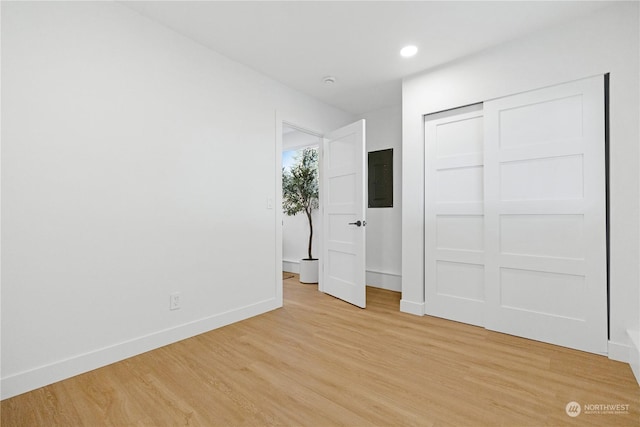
<point x="343" y="188"/>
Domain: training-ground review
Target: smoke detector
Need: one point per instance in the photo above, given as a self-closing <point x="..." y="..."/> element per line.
<point x="329" y="80"/>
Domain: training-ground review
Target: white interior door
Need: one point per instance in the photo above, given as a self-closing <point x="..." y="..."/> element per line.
<point x="343" y="201"/>
<point x="454" y="218"/>
<point x="545" y="236"/>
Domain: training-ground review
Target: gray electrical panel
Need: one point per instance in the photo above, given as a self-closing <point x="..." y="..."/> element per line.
<point x="381" y="179"/>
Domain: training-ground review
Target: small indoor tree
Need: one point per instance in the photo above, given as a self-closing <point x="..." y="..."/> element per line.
<point x="300" y="188"/>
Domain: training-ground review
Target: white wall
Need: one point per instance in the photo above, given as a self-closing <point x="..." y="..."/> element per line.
<point x="384" y="225"/>
<point x="606" y="41"/>
<point x="135" y="163"/>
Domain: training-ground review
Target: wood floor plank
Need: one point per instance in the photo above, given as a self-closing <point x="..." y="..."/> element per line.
<point x="321" y="362"/>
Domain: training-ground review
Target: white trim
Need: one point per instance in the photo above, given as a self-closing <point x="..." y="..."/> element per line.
<point x="278" y="206"/>
<point x="375" y="279"/>
<point x="301" y="146"/>
<point x="382" y="280"/>
<point x="618" y="351"/>
<point x="291" y="121"/>
<point x="0" y="226"/>
<point x="32" y="379"/>
<point x="634" y="353"/>
<point x="412" y="307"/>
<point x="291" y="266"/>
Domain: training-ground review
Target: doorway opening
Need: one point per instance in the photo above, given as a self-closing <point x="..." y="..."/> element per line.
<point x="339" y="235"/>
<point x="296" y="228"/>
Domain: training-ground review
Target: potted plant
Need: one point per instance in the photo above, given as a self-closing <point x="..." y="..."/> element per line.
<point x="300" y="194"/>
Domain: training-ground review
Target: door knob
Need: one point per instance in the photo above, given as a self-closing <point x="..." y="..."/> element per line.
<point x="358" y="223"/>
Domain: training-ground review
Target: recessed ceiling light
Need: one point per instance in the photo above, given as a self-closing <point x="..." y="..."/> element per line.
<point x="328" y="80"/>
<point x="408" y="51"/>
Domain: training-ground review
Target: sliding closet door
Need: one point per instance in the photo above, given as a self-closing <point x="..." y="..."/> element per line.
<point x="545" y="266"/>
<point x="454" y="226"/>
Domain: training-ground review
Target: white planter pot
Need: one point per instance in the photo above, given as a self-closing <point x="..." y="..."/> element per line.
<point x="309" y="271"/>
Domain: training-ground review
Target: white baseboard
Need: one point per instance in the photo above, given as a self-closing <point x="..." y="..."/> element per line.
<point x="291" y="266"/>
<point x="23" y="382"/>
<point x="389" y="281"/>
<point x="412" y="307"/>
<point x="376" y="279"/>
<point x="618" y="351"/>
<point x="634" y="353"/>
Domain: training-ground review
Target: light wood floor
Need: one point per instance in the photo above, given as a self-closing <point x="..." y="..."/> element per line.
<point x="322" y="362"/>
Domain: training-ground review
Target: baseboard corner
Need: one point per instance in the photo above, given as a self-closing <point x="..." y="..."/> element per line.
<point x="412" y="307"/>
<point x="618" y="351"/>
<point x="383" y="280"/>
<point x="291" y="266"/>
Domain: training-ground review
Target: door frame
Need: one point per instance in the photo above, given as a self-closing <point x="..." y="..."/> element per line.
<point x="283" y="119"/>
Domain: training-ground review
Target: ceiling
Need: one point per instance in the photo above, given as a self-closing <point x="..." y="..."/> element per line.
<point x="299" y="42"/>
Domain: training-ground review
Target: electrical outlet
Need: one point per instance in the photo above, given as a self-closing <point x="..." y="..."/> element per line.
<point x="269" y="203"/>
<point x="174" y="301"/>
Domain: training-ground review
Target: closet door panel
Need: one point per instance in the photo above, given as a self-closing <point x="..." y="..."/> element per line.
<point x="454" y="220"/>
<point x="545" y="232"/>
